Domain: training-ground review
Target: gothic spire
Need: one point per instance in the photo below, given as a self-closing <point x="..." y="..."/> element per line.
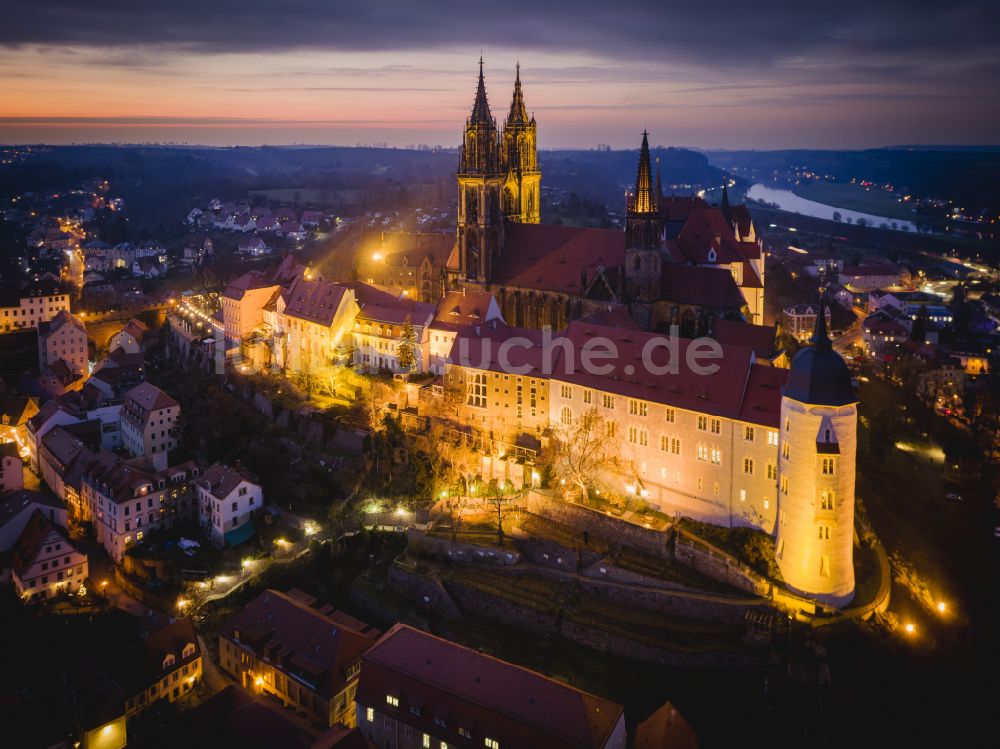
<point x="644" y="201"/>
<point x="724" y="203"/>
<point x="820" y="339"/>
<point x="518" y="112"/>
<point x="481" y="109"/>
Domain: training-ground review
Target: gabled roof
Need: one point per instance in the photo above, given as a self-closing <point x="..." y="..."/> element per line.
<point x="61" y="319"/>
<point x="311" y="645"/>
<point x="29" y="544"/>
<point x="457" y="309"/>
<point x="700" y="286"/>
<point x="149" y="397"/>
<point x="479" y="347"/>
<point x="398" y="313"/>
<point x="707" y="237"/>
<point x="315" y="301"/>
<point x="760" y="338"/>
<point x="553" y="258"/>
<point x="221" y="480"/>
<point x="12" y="505"/>
<point x="15" y="410"/>
<point x="721" y="393"/>
<point x="484" y="694"/>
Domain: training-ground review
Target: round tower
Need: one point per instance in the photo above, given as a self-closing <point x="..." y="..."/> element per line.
<point x="816" y="467"/>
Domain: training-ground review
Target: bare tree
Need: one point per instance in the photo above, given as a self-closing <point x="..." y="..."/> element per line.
<point x="582" y="451"/>
<point x="500" y="501"/>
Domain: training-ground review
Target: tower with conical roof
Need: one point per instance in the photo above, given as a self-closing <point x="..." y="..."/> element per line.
<point x="816" y="471"/>
<point x="480" y="179"/>
<point x="521" y="192"/>
<point x="643" y="233"/>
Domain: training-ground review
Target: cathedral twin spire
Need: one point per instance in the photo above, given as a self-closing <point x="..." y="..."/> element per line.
<point x="481" y="108"/>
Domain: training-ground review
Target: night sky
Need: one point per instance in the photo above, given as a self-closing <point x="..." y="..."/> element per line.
<point x="726" y="74"/>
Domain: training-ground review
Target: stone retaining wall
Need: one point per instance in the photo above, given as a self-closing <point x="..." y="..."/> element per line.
<point x="427" y="591"/>
<point x="615" y="530"/>
<point x="719" y="566"/>
<point x="446" y="550"/>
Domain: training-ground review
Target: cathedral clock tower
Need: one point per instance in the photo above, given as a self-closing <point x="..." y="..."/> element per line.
<point x="522" y="188"/>
<point x="480" y="183"/>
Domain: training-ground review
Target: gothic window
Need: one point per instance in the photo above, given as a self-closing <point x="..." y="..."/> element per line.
<point x="471" y="255"/>
<point x="636" y="264"/>
<point x="494" y="206"/>
<point x="471" y="205"/>
<point x="508" y="202"/>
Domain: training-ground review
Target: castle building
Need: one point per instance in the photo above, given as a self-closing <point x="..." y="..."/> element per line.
<point x="816" y="469"/>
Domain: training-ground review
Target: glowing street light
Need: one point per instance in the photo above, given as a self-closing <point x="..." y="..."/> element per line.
<point x="909" y="628"/>
<point x="942" y="607"/>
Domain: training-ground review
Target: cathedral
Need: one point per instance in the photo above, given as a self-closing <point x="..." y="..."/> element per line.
<point x="679" y="261"/>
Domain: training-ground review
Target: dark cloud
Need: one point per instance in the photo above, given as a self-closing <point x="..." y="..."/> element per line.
<point x="892" y="35"/>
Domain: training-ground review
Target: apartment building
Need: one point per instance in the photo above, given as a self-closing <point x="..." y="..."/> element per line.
<point x="228" y="498"/>
<point x="150" y="423"/>
<point x="44" y="562"/>
<point x="63" y="338"/>
<point x="34" y="304"/>
<point x="308" y="658"/>
<point x="164" y="665"/>
<point x="127" y="499"/>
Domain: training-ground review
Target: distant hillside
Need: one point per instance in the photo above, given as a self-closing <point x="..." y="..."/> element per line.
<point x="161" y="183"/>
<point x="965" y="175"/>
<point x="605" y="175"/>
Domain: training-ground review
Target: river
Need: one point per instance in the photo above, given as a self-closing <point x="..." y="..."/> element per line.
<point x="786" y="200"/>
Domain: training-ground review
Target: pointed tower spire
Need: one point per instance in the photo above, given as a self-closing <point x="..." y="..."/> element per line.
<point x="643" y="201"/>
<point x="724" y="203"/>
<point x="518" y="112"/>
<point x="481" y="108"/>
<point x="820" y="339"/>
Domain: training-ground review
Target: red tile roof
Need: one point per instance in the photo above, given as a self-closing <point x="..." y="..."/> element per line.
<point x="298" y="640"/>
<point x="464" y="309"/>
<point x="314" y="301"/>
<point x="221" y="480"/>
<point x="481" y="346"/>
<point x="552" y="258"/>
<point x="481" y="694"/>
<point x="397" y="312"/>
<point x="760" y="338"/>
<point x="29" y="544"/>
<point x="705" y="230"/>
<point x="720" y="394"/>
<point x="148" y="398"/>
<point x="700" y="286"/>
